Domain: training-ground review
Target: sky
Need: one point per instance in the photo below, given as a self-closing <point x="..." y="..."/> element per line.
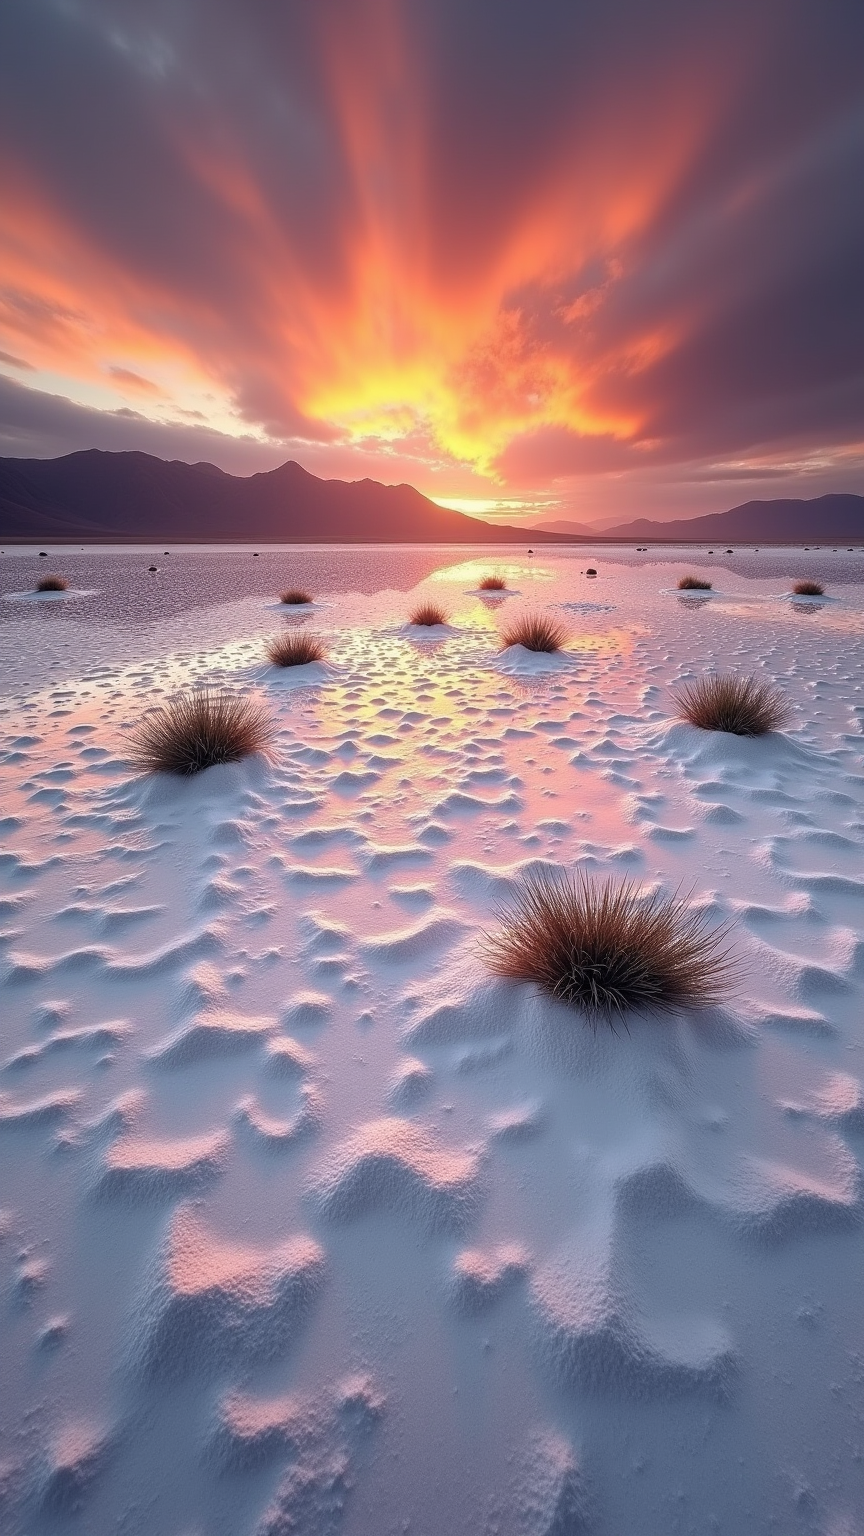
<point x="588" y="259"/>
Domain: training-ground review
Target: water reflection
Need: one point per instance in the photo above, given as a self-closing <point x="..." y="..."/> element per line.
<point x="426" y="645"/>
<point x="471" y="572"/>
<point x="693" y="602"/>
<point x="807" y="607"/>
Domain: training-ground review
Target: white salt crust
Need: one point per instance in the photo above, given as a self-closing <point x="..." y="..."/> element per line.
<point x="311" y="1224"/>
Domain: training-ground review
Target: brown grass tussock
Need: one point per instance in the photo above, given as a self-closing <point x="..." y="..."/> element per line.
<point x="295" y="648"/>
<point x="536" y="632"/>
<point x="427" y="614"/>
<point x="199" y="730"/>
<point x="606" y="947"/>
<point x="743" y="706"/>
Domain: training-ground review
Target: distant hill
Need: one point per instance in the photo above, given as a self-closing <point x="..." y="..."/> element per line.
<point x="820" y="521"/>
<point x="562" y="526"/>
<point x="95" y="495"/>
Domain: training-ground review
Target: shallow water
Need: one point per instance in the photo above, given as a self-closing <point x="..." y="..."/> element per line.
<point x="113" y="589"/>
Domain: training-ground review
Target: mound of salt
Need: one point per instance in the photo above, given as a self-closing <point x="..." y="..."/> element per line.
<point x="273" y="1133"/>
<point x="415" y="943"/>
<point x="287" y="1058"/>
<point x="392" y="1165"/>
<point x="48" y="1110"/>
<point x="78" y="1455"/>
<point x="481" y="1277"/>
<point x="592" y="1336"/>
<point x="211" y="1037"/>
<point x="548" y="1496"/>
<point x="160" y="1169"/>
<point x="209" y="1302"/>
<point x="410" y="1083"/>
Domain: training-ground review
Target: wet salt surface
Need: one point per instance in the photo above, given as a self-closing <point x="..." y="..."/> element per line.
<point x="308" y="1223"/>
<point x="114" y="590"/>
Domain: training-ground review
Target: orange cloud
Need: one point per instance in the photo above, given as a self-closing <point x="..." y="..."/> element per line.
<point x="407" y="230"/>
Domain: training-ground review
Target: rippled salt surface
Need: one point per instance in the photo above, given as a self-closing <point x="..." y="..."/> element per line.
<point x="308" y="1224"/>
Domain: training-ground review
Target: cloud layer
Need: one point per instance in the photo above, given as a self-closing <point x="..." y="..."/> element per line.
<point x="595" y="249"/>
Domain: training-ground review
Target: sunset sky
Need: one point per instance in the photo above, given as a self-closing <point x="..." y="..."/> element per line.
<point x="591" y="258"/>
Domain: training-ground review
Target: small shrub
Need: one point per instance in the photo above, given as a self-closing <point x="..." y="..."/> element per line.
<point x="536" y="632"/>
<point x="808" y="589"/>
<point x="743" y="706"/>
<point x="493" y="584"/>
<point x="198" y="730"/>
<point x="693" y="584"/>
<point x="52" y="584"/>
<point x="591" y="571"/>
<point x="428" y="614"/>
<point x="295" y="596"/>
<point x="606" y="947"/>
<point x="295" y="649"/>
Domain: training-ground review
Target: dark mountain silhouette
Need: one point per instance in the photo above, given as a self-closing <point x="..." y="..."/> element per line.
<point x="95" y="495"/>
<point x="823" y="520"/>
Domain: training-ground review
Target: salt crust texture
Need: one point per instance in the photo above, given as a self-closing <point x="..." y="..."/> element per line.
<point x="311" y="1225"/>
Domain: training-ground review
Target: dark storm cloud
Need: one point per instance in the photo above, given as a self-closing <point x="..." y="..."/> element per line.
<point x="35" y="424"/>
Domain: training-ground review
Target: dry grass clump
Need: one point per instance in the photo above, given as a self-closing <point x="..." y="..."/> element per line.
<point x="693" y="584"/>
<point x="52" y="584"/>
<point x="808" y="589"/>
<point x="198" y="730"/>
<point x="492" y="584"/>
<point x="536" y="632"/>
<point x="428" y="614"/>
<point x="295" y="596"/>
<point x="607" y="948"/>
<point x="295" y="649"/>
<point x="743" y="706"/>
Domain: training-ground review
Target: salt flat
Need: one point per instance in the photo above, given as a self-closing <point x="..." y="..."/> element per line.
<point x="312" y="1225"/>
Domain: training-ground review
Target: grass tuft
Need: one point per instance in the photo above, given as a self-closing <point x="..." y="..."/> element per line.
<point x="428" y="614"/>
<point x="199" y="730"/>
<point x="808" y="589"/>
<point x="295" y="596"/>
<point x="295" y="649"/>
<point x="693" y="584"/>
<point x="536" y="632"/>
<point x="606" y="947"/>
<point x="743" y="706"/>
<point x="492" y="584"/>
<point x="52" y="584"/>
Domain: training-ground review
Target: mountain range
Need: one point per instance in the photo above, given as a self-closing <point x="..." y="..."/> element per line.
<point x="99" y="496"/>
<point x="820" y="520"/>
